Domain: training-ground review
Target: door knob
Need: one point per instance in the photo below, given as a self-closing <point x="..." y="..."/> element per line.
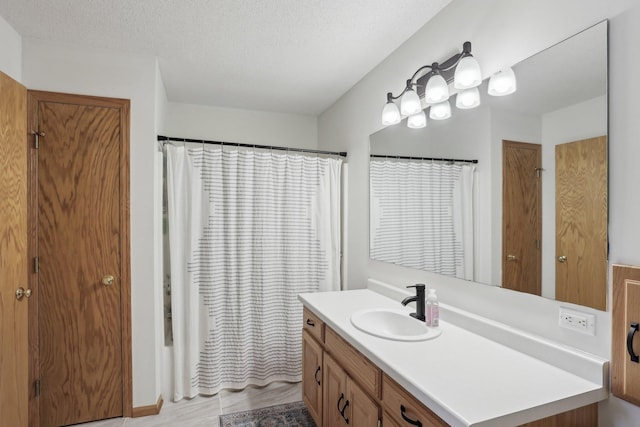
<point x="21" y="292"/>
<point x="108" y="280"/>
<point x="512" y="258"/>
<point x="562" y="258"/>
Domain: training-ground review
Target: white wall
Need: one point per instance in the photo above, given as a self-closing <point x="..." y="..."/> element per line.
<point x="161" y="104"/>
<point x="10" y="51"/>
<point x="243" y="126"/>
<point x="102" y="73"/>
<point x="503" y="32"/>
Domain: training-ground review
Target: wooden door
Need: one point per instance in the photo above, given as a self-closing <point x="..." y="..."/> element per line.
<point x="521" y="217"/>
<point x="312" y="376"/>
<point x="363" y="411"/>
<point x="581" y="222"/>
<point x="81" y="243"/>
<point x="334" y="393"/>
<point x="14" y="360"/>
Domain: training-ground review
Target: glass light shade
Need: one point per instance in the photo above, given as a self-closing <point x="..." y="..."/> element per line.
<point x="436" y="90"/>
<point x="410" y="103"/>
<point x="468" y="98"/>
<point x="440" y="111"/>
<point x="467" y="73"/>
<point x="390" y="114"/>
<point x="417" y="121"/>
<point x="502" y="83"/>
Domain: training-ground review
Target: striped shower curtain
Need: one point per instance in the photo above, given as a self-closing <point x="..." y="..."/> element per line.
<point x="248" y="230"/>
<point x="421" y="215"/>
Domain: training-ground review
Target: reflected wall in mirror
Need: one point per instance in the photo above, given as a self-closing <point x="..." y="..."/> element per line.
<point x="531" y="213"/>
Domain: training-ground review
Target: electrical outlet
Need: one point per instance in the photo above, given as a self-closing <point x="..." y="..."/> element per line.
<point x="577" y="321"/>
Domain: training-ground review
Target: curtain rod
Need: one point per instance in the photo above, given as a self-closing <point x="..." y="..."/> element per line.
<point x="423" y="158"/>
<point x="238" y="144"/>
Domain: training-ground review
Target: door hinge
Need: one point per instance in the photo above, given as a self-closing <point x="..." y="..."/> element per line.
<point x="37" y="387"/>
<point x="379" y="422"/>
<point x="538" y="170"/>
<point x="37" y="135"/>
<point x="537" y="244"/>
<point x="36" y="264"/>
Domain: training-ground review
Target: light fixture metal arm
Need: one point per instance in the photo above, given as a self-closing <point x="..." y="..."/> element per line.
<point x="436" y="67"/>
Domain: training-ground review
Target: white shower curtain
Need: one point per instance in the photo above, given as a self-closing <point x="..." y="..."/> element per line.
<point x="422" y="215"/>
<point x="248" y="230"/>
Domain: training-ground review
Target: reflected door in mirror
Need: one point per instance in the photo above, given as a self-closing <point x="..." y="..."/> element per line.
<point x="521" y="221"/>
<point x="581" y="222"/>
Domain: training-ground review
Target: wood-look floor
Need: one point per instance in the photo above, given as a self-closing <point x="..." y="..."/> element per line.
<point x="205" y="411"/>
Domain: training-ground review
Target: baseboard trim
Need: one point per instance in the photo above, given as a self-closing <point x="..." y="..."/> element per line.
<point x="144" y="411"/>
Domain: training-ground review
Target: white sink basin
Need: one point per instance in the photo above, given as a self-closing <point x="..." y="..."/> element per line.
<point x="393" y="325"/>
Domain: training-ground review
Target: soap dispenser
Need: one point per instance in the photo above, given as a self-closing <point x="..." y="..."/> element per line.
<point x="432" y="310"/>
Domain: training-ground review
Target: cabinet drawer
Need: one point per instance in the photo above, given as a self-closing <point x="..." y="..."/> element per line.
<point x="354" y="363"/>
<point x="404" y="408"/>
<point x="312" y="324"/>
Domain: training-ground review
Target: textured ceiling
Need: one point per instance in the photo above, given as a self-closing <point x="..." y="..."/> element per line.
<point x="295" y="56"/>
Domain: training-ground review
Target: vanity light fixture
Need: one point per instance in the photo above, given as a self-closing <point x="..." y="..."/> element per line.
<point x="431" y="83"/>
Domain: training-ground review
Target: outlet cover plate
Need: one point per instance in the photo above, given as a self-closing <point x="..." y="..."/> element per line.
<point x="577" y="321"/>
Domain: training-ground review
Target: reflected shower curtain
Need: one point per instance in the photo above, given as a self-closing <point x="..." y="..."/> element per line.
<point x="422" y="215"/>
<point x="248" y="231"/>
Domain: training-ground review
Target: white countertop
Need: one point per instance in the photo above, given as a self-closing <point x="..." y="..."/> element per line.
<point x="465" y="378"/>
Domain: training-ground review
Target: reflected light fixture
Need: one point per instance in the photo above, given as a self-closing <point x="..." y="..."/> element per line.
<point x="502" y="83"/>
<point x="468" y="98"/>
<point x="440" y="111"/>
<point x="417" y="121"/>
<point x="431" y="82"/>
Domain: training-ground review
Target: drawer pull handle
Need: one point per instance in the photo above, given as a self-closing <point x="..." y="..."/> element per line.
<point x="340" y="400"/>
<point x="315" y="376"/>
<point x="344" y="408"/>
<point x="632" y="331"/>
<point x="310" y="323"/>
<point x="346" y="405"/>
<point x="409" y="420"/>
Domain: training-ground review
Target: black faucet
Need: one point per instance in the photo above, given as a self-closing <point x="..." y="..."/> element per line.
<point x="419" y="299"/>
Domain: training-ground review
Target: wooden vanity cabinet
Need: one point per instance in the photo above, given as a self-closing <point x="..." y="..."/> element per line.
<point x="345" y="402"/>
<point x="312" y="364"/>
<point x="402" y="409"/>
<point x="312" y="358"/>
<point x="625" y="334"/>
<point x="339" y="383"/>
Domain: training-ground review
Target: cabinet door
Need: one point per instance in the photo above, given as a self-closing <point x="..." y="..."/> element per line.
<point x="362" y="410"/>
<point x="625" y="337"/>
<point x="312" y="376"/>
<point x="334" y="393"/>
<point x="389" y="421"/>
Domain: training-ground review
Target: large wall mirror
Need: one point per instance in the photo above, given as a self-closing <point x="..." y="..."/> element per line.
<point x="520" y="199"/>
